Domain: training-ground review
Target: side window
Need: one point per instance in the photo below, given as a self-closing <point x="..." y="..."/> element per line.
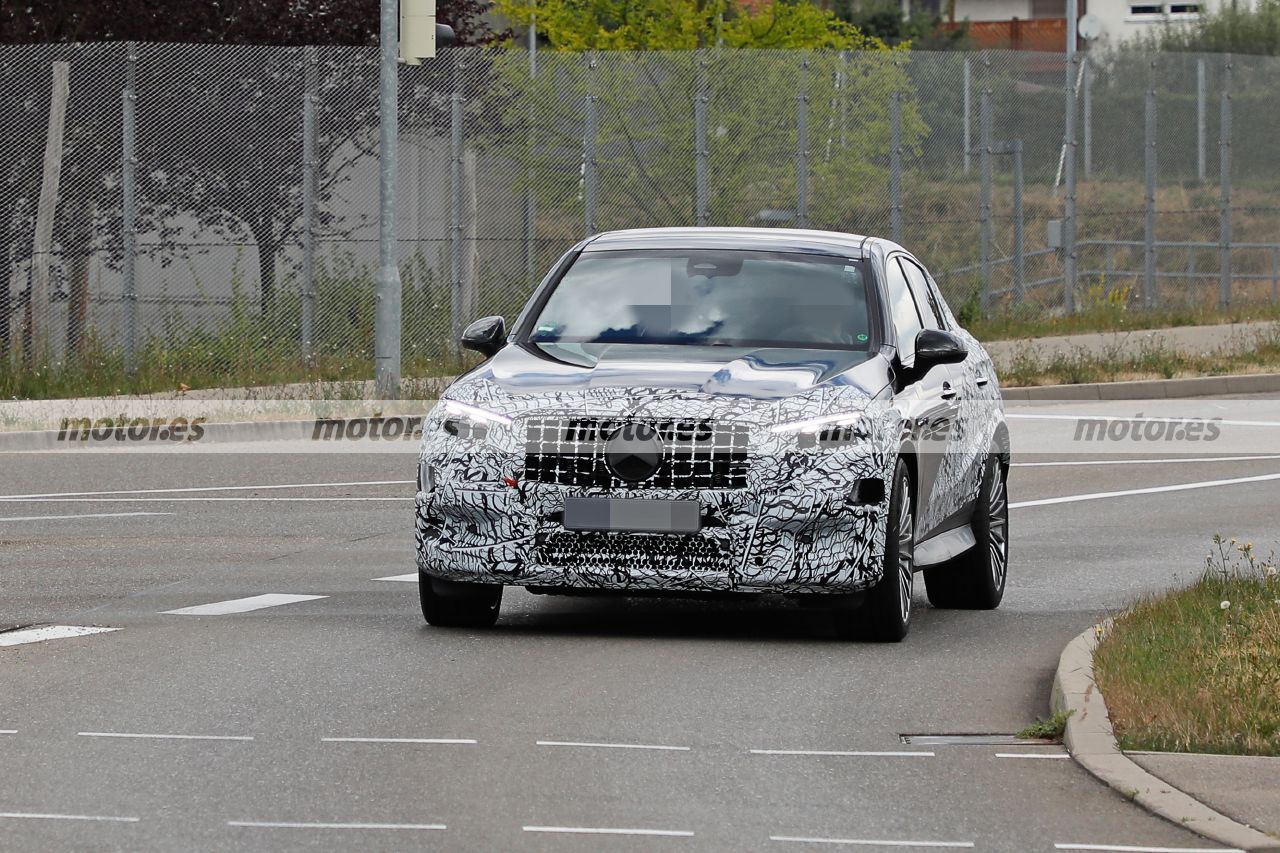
<point x="906" y="317"/>
<point x="929" y="309"/>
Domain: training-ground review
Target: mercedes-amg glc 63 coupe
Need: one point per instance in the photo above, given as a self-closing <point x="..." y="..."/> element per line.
<point x="721" y="410"/>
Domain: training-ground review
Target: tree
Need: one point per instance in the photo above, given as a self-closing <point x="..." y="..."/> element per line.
<point x="1231" y="28"/>
<point x="883" y="19"/>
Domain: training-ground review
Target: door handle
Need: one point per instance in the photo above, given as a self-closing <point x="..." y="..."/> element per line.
<point x="949" y="393"/>
<point x="983" y="381"/>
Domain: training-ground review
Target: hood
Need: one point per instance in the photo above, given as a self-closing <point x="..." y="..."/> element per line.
<point x="763" y="373"/>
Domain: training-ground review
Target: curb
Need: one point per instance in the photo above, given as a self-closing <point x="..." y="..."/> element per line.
<point x="1092" y="743"/>
<point x="1151" y="389"/>
<point x="229" y="432"/>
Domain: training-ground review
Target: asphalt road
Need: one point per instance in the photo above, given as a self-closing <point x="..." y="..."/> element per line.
<point x="342" y="721"/>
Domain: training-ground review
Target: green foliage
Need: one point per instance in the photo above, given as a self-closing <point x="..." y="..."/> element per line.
<point x="580" y="25"/>
<point x="882" y="19"/>
<point x="1231" y="28"/>
<point x="1049" y="728"/>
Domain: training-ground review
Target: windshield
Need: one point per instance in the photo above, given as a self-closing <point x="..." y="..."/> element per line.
<point x="709" y="298"/>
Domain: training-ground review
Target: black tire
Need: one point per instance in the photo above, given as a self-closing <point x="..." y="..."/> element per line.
<point x="452" y="604"/>
<point x="884" y="615"/>
<point x="976" y="579"/>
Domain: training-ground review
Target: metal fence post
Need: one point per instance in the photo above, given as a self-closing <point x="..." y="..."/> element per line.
<point x="1069" y="202"/>
<point x="1200" y="118"/>
<point x="1224" y="170"/>
<point x="129" y="210"/>
<point x="589" y="175"/>
<point x="530" y="200"/>
<point x="455" y="205"/>
<point x="1149" y="218"/>
<point x="386" y="334"/>
<point x="1087" y="96"/>
<point x="984" y="204"/>
<point x="700" y="140"/>
<point x="310" y="97"/>
<point x="968" y="137"/>
<point x="802" y="147"/>
<point x="895" y="167"/>
<point x="1019" y="244"/>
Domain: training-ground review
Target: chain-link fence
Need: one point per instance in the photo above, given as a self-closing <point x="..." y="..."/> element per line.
<point x="213" y="210"/>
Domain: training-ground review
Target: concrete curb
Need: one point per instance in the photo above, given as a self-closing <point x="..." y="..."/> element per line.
<point x="1151" y="389"/>
<point x="1091" y="741"/>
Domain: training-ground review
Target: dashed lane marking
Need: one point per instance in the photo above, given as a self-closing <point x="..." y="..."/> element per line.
<point x="1032" y="755"/>
<point x="612" y="745"/>
<point x="412" y="576"/>
<point x="845" y="753"/>
<point x="83" y="515"/>
<point x="273" y="824"/>
<point x="1180" y="487"/>
<point x="242" y="605"/>
<point x="605" y="830"/>
<point x="39" y="816"/>
<point x="49" y="632"/>
<point x="1125" y="848"/>
<point x="870" y="842"/>
<point x="446" y="740"/>
<point x="208" y="489"/>
<point x="148" y="736"/>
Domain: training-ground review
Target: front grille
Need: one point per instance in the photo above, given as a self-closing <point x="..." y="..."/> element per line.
<point x="700" y="454"/>
<point x="651" y="552"/>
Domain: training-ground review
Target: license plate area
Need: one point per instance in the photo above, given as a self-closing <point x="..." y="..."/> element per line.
<point x="637" y="515"/>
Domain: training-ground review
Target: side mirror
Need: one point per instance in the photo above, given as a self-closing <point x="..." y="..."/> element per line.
<point x="934" y="347"/>
<point x="485" y="335"/>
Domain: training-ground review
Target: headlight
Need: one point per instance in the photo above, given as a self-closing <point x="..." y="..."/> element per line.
<point x="820" y="424"/>
<point x="475" y="414"/>
<point x="826" y="431"/>
<point x="470" y="422"/>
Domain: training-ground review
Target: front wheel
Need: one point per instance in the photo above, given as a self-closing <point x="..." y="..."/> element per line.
<point x="975" y="580"/>
<point x="885" y="614"/>
<point x="453" y="604"/>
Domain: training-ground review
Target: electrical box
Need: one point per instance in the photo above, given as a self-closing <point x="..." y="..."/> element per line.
<point x="1053" y="234"/>
<point x="419" y="32"/>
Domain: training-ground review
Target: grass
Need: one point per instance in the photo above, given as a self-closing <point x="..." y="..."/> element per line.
<point x="1110" y="317"/>
<point x="1198" y="669"/>
<point x="1049" y="728"/>
<point x="1152" y="360"/>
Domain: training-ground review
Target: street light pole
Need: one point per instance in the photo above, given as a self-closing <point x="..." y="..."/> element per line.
<point x="386" y="345"/>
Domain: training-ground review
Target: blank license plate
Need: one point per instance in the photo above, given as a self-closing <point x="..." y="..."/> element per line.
<point x="637" y="514"/>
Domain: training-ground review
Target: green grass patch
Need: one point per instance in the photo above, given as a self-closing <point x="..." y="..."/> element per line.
<point x="1048" y="728"/>
<point x="1198" y="669"/>
<point x="1152" y="360"/>
<point x="1104" y="315"/>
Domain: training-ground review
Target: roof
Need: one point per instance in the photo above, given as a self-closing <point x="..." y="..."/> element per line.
<point x="764" y="239"/>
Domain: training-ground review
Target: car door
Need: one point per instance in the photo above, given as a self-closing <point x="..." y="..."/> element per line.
<point x="928" y="401"/>
<point x="973" y="386"/>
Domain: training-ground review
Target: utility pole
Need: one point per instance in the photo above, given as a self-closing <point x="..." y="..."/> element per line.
<point x="417" y="19"/>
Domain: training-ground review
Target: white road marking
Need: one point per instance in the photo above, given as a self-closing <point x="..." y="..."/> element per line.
<point x="49" y="632"/>
<point x="198" y="500"/>
<point x="1142" y="419"/>
<point x="242" y="605"/>
<point x="856" y="754"/>
<point x="612" y="745"/>
<point x="207" y="489"/>
<point x="1175" y="461"/>
<point x="164" y="737"/>
<point x="603" y="830"/>
<point x="272" y="824"/>
<point x="1123" y="848"/>
<point x="870" y="842"/>
<point x="8" y="731"/>
<point x="412" y="576"/>
<point x="1032" y="755"/>
<point x="85" y="515"/>
<point x="1152" y="490"/>
<point x="36" y="816"/>
<point x="397" y="740"/>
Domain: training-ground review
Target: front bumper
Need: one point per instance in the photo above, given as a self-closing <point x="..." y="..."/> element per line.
<point x="806" y="527"/>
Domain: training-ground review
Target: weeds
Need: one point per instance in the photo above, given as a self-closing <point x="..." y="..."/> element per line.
<point x="1050" y="728"/>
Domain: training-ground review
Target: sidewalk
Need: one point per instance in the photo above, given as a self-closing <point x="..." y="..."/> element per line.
<point x="1243" y="787"/>
<point x="1225" y="338"/>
